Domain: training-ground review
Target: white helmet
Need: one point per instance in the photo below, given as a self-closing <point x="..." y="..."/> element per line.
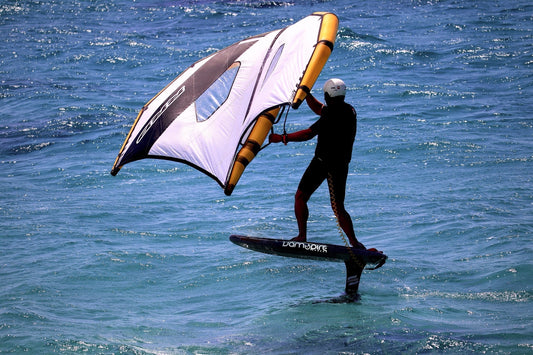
<point x="335" y="87"/>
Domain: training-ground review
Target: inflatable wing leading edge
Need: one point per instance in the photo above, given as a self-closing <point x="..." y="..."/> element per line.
<point x="216" y="115"/>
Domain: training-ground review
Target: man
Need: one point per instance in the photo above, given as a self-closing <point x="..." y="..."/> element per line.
<point x="336" y="130"/>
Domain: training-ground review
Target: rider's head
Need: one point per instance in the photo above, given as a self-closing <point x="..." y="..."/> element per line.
<point x="334" y="91"/>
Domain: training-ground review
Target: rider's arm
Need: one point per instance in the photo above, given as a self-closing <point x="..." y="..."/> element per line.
<point x="298" y="136"/>
<point x="315" y="105"/>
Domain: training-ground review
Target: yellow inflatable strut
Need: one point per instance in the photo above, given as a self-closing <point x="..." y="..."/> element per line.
<point x="251" y="146"/>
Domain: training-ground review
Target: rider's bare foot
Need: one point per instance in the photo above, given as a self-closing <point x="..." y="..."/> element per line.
<point x="357" y="245"/>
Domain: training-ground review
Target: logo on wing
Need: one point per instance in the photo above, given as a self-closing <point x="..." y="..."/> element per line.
<point x="159" y="113"/>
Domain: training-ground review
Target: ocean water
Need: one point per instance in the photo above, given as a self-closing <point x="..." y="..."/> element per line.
<point x="140" y="263"/>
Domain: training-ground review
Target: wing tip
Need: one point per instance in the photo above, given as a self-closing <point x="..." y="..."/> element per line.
<point x="229" y="189"/>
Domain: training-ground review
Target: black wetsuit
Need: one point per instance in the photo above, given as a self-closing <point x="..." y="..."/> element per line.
<point x="336" y="130"/>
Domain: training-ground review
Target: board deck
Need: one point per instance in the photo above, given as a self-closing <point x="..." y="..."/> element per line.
<point x="310" y="250"/>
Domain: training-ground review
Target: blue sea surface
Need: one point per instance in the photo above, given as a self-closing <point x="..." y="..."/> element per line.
<point x="141" y="263"/>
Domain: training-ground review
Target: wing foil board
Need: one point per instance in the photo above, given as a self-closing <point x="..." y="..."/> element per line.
<point x="308" y="250"/>
<point x="354" y="259"/>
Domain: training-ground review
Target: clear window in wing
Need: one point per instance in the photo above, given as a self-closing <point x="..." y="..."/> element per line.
<point x="216" y="94"/>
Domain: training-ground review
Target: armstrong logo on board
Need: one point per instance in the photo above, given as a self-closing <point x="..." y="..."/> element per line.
<point x="320" y="248"/>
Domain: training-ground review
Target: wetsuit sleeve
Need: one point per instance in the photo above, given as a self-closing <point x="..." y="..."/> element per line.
<point x="300" y="136"/>
<point x="315" y="105"/>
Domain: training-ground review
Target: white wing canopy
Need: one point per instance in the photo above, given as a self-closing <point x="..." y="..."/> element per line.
<point x="204" y="116"/>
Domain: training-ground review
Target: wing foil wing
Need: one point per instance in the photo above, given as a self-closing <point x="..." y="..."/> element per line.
<point x="216" y="114"/>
